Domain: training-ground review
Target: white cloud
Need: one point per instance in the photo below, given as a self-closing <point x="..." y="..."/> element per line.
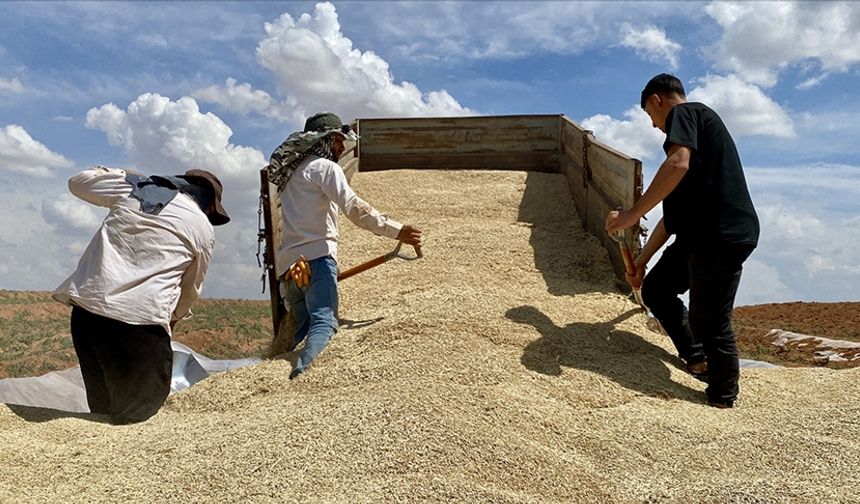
<point x="841" y="183"/>
<point x="243" y="99"/>
<point x="744" y="108"/>
<point x="62" y="118"/>
<point x="828" y="134"/>
<point x="152" y="40"/>
<point x="814" y="251"/>
<point x="317" y="67"/>
<point x="792" y="225"/>
<point x="812" y="82"/>
<point x="762" y="283"/>
<point x="761" y="39"/>
<point x="20" y="153"/>
<point x="503" y="30"/>
<point x="810" y="228"/>
<point x="69" y="214"/>
<point x="11" y="85"/>
<point x="634" y="136"/>
<point x="34" y="255"/>
<point x="163" y="136"/>
<point x="651" y="43"/>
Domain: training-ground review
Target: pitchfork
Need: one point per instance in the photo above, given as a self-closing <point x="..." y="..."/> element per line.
<point x="380" y="260"/>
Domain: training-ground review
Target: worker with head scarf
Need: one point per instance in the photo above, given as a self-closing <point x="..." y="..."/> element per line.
<point x="313" y="188"/>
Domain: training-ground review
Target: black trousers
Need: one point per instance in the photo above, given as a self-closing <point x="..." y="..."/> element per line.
<point x="126" y="368"/>
<point x="711" y="274"/>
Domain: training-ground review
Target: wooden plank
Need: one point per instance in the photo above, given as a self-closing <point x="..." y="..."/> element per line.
<point x="637" y="194"/>
<point x="350" y="152"/>
<point x="268" y="196"/>
<point x="575" y="173"/>
<point x="594" y="141"/>
<point x="614" y="180"/>
<point x="459" y="135"/>
<point x="349" y="159"/>
<point x="578" y="190"/>
<point x="613" y="173"/>
<point x="572" y="140"/>
<point x="547" y="121"/>
<point x="597" y="209"/>
<point x="542" y="161"/>
<point x="598" y="206"/>
<point x="572" y="161"/>
<point x="569" y="165"/>
<point x="277" y="220"/>
<point x="576" y="157"/>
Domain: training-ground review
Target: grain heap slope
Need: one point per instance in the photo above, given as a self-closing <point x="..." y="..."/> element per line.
<point x="503" y="367"/>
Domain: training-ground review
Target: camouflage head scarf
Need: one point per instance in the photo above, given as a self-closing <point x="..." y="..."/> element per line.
<point x="300" y="145"/>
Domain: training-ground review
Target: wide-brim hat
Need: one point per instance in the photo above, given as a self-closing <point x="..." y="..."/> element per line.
<point x="219" y="216"/>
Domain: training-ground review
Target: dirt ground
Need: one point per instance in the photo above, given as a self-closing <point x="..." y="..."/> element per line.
<point x="839" y="321"/>
<point x="494" y="370"/>
<point x="829" y="320"/>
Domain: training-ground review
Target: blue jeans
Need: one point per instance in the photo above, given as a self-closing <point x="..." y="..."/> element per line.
<point x="314" y="308"/>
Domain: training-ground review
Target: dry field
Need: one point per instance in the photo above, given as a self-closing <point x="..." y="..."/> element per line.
<point x="503" y="367"/>
<point x="35" y="338"/>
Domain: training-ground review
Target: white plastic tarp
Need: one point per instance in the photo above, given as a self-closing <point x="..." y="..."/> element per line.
<point x="64" y="390"/>
<point x="754" y="364"/>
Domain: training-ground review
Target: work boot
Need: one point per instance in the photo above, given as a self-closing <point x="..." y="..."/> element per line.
<point x="720" y="404"/>
<point x="699" y="370"/>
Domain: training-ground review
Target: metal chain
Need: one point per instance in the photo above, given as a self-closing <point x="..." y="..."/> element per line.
<point x="261" y="237"/>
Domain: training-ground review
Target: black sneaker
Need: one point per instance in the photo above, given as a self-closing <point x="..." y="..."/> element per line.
<point x="295" y="373"/>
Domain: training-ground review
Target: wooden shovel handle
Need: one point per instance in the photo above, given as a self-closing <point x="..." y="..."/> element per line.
<point x="627" y="256"/>
<point x="363" y="267"/>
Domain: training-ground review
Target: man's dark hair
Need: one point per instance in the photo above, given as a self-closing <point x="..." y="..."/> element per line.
<point x="662" y="84"/>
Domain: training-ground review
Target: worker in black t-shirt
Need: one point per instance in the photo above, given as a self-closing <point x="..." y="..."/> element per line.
<point x="707" y="207"/>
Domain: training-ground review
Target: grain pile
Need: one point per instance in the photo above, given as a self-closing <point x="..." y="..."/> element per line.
<point x="504" y="367"/>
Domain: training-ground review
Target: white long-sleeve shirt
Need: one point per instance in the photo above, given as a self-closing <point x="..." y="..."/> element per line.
<point x="139" y="268"/>
<point x="309" y="207"/>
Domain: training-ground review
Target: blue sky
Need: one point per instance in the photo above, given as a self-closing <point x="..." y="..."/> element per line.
<point x="164" y="86"/>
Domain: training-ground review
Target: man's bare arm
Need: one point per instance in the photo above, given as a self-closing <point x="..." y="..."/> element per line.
<point x="670" y="174"/>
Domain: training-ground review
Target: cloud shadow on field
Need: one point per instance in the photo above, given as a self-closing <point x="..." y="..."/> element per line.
<point x="621" y="356"/>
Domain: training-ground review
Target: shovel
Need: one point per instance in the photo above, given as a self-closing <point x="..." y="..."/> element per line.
<point x="622" y="237"/>
<point x="629" y="266"/>
<point x="380" y="260"/>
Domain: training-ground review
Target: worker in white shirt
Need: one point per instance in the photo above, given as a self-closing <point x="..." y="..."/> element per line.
<point x="141" y="273"/>
<point x="313" y="187"/>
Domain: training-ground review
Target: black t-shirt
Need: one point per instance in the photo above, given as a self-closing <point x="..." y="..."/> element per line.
<point x="712" y="203"/>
